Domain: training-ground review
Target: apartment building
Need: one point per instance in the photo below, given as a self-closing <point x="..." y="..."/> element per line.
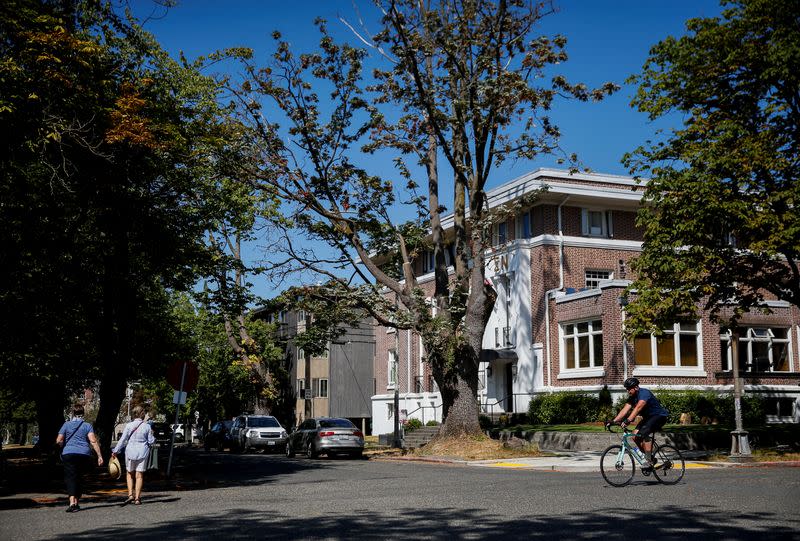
<point x="337" y="383"/>
<point x="559" y="269"/>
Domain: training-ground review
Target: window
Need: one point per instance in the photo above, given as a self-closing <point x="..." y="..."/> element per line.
<point x="392" y="369"/>
<point x="593" y="278"/>
<point x="524" y="221"/>
<point x="301" y="354"/>
<point x="322" y="388"/>
<point x="596" y="223"/>
<point x="500" y="234"/>
<point x="761" y="349"/>
<point x="582" y="345"/>
<point x="678" y="347"/>
<point x="301" y="388"/>
<point x="428" y="261"/>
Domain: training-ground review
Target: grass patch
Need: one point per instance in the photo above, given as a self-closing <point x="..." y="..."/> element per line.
<point x="475" y="448"/>
<point x="763" y="455"/>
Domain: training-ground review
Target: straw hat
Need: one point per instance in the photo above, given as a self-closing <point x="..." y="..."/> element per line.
<point x="114" y="468"/>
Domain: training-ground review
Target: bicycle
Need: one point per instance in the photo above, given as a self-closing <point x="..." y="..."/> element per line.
<point x="618" y="462"/>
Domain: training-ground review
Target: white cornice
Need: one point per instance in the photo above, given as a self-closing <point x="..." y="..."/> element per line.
<point x="624" y="196"/>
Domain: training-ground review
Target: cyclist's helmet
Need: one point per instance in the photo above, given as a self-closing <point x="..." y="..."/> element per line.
<point x="630" y="383"/>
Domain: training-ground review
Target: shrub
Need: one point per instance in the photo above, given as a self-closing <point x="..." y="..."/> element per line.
<point x="710" y="405"/>
<point x="485" y="422"/>
<point x="412" y="424"/>
<point x="566" y="407"/>
<point x="432" y="423"/>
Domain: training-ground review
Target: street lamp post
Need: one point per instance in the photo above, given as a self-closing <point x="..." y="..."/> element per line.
<point x="740" y="445"/>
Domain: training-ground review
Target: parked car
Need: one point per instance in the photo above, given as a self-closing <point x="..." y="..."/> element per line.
<point x="162" y="432"/>
<point x="180" y="433"/>
<point x="258" y="431"/>
<point x="219" y="436"/>
<point x="327" y="435"/>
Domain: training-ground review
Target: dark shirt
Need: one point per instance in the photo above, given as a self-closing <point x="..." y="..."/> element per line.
<point x="653" y="407"/>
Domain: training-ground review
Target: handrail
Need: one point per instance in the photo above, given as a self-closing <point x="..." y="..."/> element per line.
<point x="423" y="408"/>
<point x="485" y="405"/>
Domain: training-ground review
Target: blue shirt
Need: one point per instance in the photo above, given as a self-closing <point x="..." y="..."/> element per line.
<point x="78" y="436"/>
<point x="653" y="408"/>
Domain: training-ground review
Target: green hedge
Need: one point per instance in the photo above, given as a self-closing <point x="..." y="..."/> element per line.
<point x="713" y="406"/>
<point x="566" y="407"/>
<point x="571" y="407"/>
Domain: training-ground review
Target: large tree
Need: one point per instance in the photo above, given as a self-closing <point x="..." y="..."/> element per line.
<point x="464" y="87"/>
<point x="721" y="221"/>
<point x="106" y="201"/>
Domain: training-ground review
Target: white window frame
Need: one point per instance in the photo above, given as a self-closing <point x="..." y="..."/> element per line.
<point x="592" y="278"/>
<point x="391" y="369"/>
<point x="301" y="387"/>
<point x="428" y="261"/>
<point x="606" y="229"/>
<point x="749" y="338"/>
<point x="320" y="386"/>
<point x="499" y="238"/>
<point x="677" y="369"/>
<point x="595" y="368"/>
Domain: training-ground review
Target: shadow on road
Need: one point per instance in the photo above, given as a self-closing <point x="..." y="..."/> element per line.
<point x="39" y="480"/>
<point x="673" y="523"/>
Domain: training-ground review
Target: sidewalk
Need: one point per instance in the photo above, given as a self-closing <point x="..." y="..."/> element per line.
<point x="575" y="461"/>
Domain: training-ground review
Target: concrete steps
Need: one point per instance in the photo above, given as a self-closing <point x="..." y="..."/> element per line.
<point x="419" y="437"/>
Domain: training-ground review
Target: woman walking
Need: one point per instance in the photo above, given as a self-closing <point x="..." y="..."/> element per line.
<point x="77" y="439"/>
<point x="136" y="440"/>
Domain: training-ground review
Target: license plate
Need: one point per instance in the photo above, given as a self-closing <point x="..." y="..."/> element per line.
<point x="270" y="443"/>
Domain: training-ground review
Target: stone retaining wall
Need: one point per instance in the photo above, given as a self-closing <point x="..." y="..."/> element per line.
<point x="598" y="441"/>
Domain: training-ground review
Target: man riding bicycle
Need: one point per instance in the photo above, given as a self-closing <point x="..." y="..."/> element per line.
<point x="654" y="416"/>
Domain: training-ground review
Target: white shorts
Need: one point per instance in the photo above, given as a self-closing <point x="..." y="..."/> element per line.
<point x="135" y="465"/>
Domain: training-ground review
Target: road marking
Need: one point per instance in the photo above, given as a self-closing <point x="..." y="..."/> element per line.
<point x="508" y="465"/>
<point x="691" y="465"/>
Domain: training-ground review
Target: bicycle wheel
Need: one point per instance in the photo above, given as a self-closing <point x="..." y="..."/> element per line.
<point x="617" y="471"/>
<point x="669" y="466"/>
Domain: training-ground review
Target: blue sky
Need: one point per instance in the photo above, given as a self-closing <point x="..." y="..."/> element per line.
<point x="607" y="41"/>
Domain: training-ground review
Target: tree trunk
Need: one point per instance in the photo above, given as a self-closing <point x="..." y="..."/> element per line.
<point x="50" y="404"/>
<point x="460" y="407"/>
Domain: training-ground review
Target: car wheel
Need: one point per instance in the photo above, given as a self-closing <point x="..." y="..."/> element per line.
<point x="310" y="451"/>
<point x="289" y="451"/>
<point x="357" y="455"/>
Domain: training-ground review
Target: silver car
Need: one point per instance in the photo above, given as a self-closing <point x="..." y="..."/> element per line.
<point x="258" y="432"/>
<point x="327" y="435"/>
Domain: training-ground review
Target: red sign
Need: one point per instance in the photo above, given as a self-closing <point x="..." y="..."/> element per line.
<point x="189" y="378"/>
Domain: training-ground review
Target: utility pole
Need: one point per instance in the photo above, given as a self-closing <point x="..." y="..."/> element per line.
<point x="308" y="411"/>
<point x="397" y="440"/>
<point x="740" y="445"/>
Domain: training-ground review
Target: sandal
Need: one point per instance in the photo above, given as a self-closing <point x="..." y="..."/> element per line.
<point x="137" y="501"/>
<point x="129" y="500"/>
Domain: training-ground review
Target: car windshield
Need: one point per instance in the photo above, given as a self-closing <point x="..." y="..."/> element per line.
<point x="264" y="422"/>
<point x="336" y="423"/>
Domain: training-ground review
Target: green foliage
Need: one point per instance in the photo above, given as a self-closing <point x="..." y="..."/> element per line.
<point x="485" y="422"/>
<point x="721" y="225"/>
<point x="563" y="407"/>
<point x="412" y="424"/>
<point x="433" y="423"/>
<point x="709" y="405"/>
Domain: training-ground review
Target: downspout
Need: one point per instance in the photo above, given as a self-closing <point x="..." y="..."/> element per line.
<point x="549" y="293"/>
<point x="408" y="368"/>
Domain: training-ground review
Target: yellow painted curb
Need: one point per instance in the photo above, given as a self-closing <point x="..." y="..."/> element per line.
<point x="508" y="465"/>
<point x="697" y="466"/>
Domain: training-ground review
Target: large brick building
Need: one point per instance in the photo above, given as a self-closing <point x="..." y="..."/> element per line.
<point x="560" y="269"/>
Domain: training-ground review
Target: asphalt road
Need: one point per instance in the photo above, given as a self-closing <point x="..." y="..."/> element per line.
<point x="271" y="497"/>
